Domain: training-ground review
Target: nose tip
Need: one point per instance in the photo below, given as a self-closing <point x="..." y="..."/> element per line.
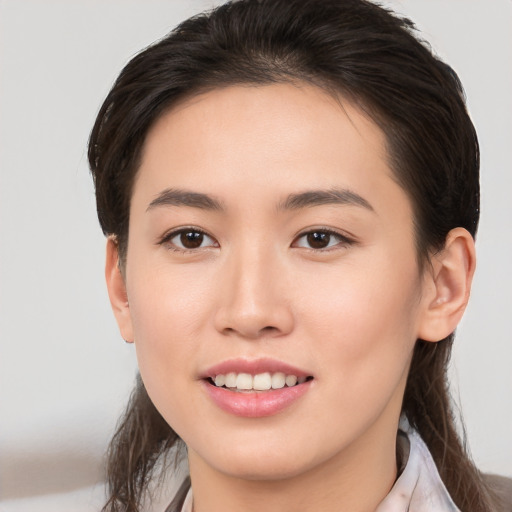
<point x="255" y="326"/>
<point x="254" y="305"/>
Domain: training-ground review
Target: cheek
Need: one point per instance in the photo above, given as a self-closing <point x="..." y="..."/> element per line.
<point x="166" y="345"/>
<point x="364" y="320"/>
<point x="362" y="336"/>
<point x="167" y="312"/>
<point x="165" y="304"/>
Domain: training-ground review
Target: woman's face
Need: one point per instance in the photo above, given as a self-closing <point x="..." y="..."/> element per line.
<point x="267" y="236"/>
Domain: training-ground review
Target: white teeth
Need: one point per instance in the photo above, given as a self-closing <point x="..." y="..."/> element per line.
<point x="262" y="381"/>
<point x="291" y="380"/>
<point x="220" y="380"/>
<point x="259" y="382"/>
<point x="230" y="381"/>
<point x="244" y="381"/>
<point x="278" y="380"/>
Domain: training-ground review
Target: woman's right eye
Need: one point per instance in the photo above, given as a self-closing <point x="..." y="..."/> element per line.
<point x="188" y="239"/>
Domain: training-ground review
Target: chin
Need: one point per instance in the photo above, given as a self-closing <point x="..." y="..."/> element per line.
<point x="264" y="471"/>
<point x="263" y="464"/>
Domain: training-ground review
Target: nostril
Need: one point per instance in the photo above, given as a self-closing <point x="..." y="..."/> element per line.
<point x="252" y="332"/>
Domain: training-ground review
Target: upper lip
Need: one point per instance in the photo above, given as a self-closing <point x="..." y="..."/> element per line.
<point x="253" y="367"/>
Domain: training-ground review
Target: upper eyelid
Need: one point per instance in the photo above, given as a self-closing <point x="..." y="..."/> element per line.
<point x="166" y="240"/>
<point x="344" y="241"/>
<point x="330" y="231"/>
<point x="171" y="233"/>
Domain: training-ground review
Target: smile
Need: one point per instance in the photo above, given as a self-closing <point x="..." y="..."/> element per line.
<point x="244" y="382"/>
<point x="257" y="388"/>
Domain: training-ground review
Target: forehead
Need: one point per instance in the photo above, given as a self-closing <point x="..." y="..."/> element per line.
<point x="269" y="139"/>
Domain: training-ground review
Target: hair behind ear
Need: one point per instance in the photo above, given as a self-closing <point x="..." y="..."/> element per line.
<point x="428" y="405"/>
<point x="141" y="438"/>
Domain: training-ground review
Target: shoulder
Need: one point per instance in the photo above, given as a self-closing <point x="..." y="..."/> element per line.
<point x="502" y="487"/>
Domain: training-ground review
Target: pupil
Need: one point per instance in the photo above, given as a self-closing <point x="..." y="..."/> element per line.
<point x="191" y="239"/>
<point x="318" y="240"/>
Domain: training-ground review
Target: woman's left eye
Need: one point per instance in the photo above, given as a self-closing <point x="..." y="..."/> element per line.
<point x="321" y="239"/>
<point x="189" y="239"/>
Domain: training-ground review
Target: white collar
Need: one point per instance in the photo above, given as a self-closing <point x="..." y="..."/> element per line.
<point x="187" y="504"/>
<point x="418" y="489"/>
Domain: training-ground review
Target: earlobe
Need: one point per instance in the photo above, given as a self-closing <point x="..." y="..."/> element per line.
<point x="448" y="286"/>
<point x="117" y="290"/>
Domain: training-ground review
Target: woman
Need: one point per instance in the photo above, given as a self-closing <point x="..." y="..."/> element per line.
<point x="290" y="194"/>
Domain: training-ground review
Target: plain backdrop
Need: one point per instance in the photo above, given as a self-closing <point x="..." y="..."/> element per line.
<point x="65" y="373"/>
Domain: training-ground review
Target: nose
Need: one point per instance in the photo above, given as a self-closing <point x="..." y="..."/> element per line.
<point x="254" y="300"/>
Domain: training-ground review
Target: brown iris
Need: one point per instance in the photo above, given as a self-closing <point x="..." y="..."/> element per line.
<point x="191" y="239"/>
<point x="318" y="240"/>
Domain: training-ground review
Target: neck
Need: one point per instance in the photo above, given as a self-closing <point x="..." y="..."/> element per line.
<point x="356" y="479"/>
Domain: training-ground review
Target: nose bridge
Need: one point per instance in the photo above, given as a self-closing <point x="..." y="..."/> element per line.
<point x="253" y="267"/>
<point x="254" y="292"/>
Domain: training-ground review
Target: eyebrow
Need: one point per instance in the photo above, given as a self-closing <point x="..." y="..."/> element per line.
<point x="307" y="199"/>
<point x="333" y="196"/>
<point x="179" y="197"/>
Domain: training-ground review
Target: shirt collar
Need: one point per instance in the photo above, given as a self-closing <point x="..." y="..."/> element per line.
<point x="419" y="488"/>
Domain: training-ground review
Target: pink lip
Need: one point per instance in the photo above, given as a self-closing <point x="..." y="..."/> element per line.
<point x="254" y="404"/>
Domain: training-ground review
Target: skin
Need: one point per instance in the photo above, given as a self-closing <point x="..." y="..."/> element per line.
<point x="348" y="313"/>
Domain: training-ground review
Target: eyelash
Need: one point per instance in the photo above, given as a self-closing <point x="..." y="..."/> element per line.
<point x="343" y="240"/>
<point x="167" y="239"/>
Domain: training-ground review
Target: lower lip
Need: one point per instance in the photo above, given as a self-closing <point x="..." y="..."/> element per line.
<point x="256" y="404"/>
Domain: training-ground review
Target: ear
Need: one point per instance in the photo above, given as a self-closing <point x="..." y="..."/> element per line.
<point x="447" y="286"/>
<point x="117" y="291"/>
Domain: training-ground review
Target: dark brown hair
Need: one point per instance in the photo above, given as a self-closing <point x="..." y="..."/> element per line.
<point x="353" y="49"/>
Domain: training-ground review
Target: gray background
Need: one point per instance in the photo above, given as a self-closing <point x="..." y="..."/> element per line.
<point x="65" y="373"/>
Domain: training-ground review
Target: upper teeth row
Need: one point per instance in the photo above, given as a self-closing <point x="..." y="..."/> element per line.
<point x="259" y="382"/>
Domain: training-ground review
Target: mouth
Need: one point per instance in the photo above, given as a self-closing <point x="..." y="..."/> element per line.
<point x="255" y="388"/>
<point x="266" y="381"/>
